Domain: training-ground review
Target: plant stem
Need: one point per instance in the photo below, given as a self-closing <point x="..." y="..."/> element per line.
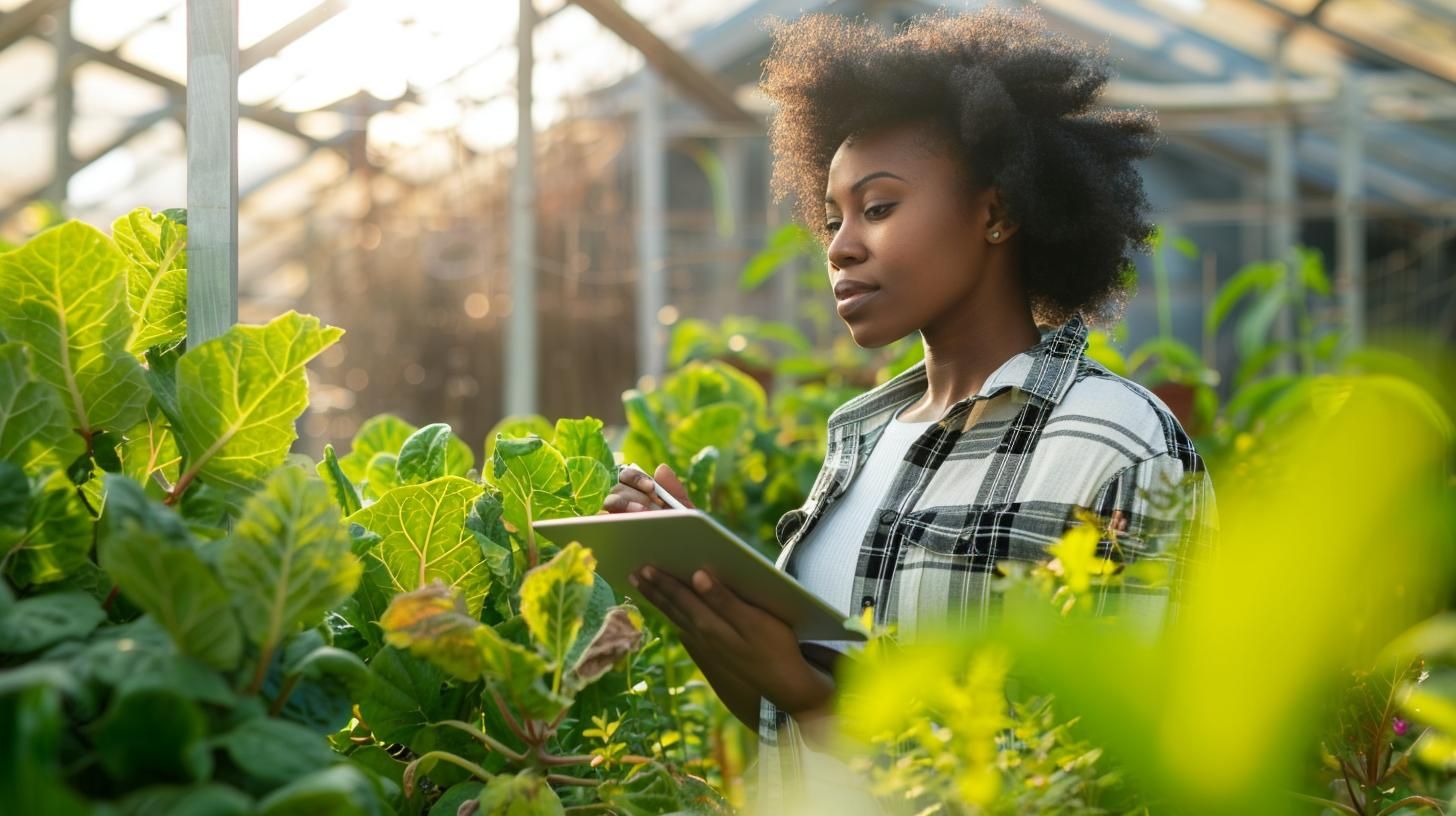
<point x="182" y="484"/>
<point x="485" y="739"/>
<point x="278" y="702"/>
<point x="510" y="718"/>
<point x="460" y="762"/>
<point x="531" y="556"/>
<point x="110" y="596"/>
<point x="562" y="779"/>
<point x="594" y="807"/>
<point x="264" y="661"/>
<point x="1412" y="800"/>
<point x="1329" y="803"/>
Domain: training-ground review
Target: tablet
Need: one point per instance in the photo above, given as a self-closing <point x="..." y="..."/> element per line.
<point x="680" y="542"/>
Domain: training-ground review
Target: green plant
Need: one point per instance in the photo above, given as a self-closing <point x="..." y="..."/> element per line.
<point x="194" y="619"/>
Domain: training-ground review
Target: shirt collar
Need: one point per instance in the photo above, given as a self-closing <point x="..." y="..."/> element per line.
<point x="1045" y="370"/>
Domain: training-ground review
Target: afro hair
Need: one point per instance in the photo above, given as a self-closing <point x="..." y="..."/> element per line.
<point x="1013" y="99"/>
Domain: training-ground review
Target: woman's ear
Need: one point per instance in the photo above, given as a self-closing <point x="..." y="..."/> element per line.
<point x="999" y="226"/>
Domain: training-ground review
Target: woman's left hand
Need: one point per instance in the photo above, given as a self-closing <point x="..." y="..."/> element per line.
<point x="761" y="649"/>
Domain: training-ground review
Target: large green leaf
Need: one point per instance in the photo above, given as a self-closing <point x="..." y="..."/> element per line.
<point x="716" y="426"/>
<point x="65" y="297"/>
<point x="422" y="456"/>
<point x="583" y="437"/>
<point x="646" y="442"/>
<point x="514" y="427"/>
<point x="590" y="483"/>
<point x="151" y="448"/>
<point x="152" y="734"/>
<point x="342" y="790"/>
<point x="150" y="555"/>
<point x="288" y="560"/>
<point x="524" y="794"/>
<point x="35" y="432"/>
<point x="554" y="597"/>
<point x="403" y="696"/>
<point x="275" y="751"/>
<point x="533" y="481"/>
<point x="157" y="280"/>
<point x="240" y="393"/>
<point x="34" y="623"/>
<point x="486" y="522"/>
<point x="341" y="487"/>
<point x="423" y="537"/>
<point x="56" y="537"/>
<point x="384" y="433"/>
<point x="381" y="476"/>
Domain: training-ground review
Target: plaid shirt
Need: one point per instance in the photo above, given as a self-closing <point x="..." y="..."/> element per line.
<point x="998" y="478"/>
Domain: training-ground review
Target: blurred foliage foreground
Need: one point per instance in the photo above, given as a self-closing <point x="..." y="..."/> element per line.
<point x="195" y="621"/>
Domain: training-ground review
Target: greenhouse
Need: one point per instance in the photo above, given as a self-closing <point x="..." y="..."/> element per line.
<point x="336" y="337"/>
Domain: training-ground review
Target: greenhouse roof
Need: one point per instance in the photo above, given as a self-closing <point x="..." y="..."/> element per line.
<point x="429" y="79"/>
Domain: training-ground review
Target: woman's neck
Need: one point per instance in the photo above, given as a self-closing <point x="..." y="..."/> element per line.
<point x="963" y="351"/>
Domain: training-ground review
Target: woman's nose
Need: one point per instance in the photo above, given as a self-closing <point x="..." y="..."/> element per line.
<point x="845" y="249"/>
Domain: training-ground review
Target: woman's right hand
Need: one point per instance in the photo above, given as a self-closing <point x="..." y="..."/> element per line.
<point x="633" y="491"/>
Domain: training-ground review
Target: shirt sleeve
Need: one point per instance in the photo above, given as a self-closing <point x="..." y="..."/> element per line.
<point x="1171" y="516"/>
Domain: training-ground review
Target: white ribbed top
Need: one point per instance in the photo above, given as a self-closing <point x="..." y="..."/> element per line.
<point x="824" y="561"/>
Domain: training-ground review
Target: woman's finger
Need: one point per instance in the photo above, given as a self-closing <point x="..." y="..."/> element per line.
<point x="672" y="484"/>
<point x="700" y="616"/>
<point x="623" y="499"/>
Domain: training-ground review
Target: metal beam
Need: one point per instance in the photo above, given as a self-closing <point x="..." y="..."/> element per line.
<point x="21" y="21"/>
<point x="280" y="120"/>
<point x="689" y="78"/>
<point x="282" y="38"/>
<point x="1411" y="59"/>
<point x="212" y="168"/>
<point x="138" y="126"/>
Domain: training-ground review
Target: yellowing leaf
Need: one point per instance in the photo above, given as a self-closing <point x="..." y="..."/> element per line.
<point x="157" y="280"/>
<point x="65" y="297"/>
<point x="554" y="597"/>
<point x="288" y="560"/>
<point x="240" y="393"/>
<point x="432" y="623"/>
<point x="35" y="432"/>
<point x="423" y="537"/>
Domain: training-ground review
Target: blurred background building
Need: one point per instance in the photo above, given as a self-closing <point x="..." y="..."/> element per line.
<point x="378" y="141"/>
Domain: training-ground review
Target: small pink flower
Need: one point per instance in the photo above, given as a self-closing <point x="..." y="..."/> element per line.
<point x="1401" y="726"/>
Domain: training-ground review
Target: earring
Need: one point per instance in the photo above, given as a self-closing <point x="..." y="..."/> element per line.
<point x="995" y="235"/>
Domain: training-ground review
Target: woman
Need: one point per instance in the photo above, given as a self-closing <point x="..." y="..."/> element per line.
<point x="969" y="194"/>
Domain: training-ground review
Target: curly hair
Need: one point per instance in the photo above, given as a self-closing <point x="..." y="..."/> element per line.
<point x="1013" y="99"/>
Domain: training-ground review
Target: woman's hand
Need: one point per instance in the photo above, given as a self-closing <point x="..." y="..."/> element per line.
<point x="758" y="648"/>
<point x="633" y="491"/>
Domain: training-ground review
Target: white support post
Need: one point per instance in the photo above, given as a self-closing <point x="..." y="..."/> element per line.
<point x="521" y="354"/>
<point x="1282" y="184"/>
<point x="212" y="168"/>
<point x="651" y="237"/>
<point x="65" y="96"/>
<point x="1349" y="217"/>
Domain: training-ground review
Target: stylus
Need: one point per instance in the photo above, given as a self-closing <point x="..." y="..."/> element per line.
<point x="657" y="488"/>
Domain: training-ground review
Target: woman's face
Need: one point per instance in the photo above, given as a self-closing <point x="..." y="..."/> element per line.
<point x="902" y="224"/>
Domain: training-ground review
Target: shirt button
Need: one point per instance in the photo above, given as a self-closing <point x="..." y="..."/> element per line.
<point x="888" y="516"/>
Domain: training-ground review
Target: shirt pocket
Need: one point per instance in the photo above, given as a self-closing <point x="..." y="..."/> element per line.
<point x="984" y="537"/>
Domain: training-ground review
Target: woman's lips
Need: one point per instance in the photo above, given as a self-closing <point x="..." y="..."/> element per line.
<point x="855" y="303"/>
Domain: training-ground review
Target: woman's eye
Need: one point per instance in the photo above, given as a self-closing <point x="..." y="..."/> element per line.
<point x="885" y="207"/>
<point x="831" y="226"/>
